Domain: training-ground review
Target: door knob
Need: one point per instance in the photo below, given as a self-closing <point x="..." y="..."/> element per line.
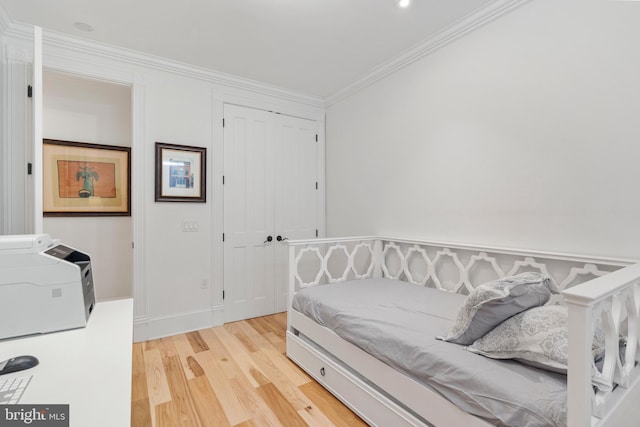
<point x="281" y="239"/>
<point x="269" y="239"/>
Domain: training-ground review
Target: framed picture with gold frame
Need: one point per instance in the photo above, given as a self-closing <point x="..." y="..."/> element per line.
<point x="82" y="179"/>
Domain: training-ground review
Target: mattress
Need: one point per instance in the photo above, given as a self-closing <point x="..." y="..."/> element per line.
<point x="398" y="322"/>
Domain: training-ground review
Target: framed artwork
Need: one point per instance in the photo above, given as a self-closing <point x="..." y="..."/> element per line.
<point x="180" y="173"/>
<point x="81" y="179"/>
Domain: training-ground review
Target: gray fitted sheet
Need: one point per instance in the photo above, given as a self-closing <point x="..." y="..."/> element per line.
<point x="397" y="323"/>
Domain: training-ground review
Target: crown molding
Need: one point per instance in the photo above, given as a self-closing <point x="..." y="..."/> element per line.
<point x="461" y="27"/>
<point x="5" y="20"/>
<point x="76" y="45"/>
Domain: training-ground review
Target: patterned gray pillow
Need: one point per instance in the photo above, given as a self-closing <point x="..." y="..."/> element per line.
<point x="491" y="303"/>
<point x="538" y="337"/>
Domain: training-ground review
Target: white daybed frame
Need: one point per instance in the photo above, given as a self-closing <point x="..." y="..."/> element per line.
<point x="384" y="397"/>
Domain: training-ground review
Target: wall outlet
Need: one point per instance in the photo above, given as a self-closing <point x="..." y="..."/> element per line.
<point x="190" y="226"/>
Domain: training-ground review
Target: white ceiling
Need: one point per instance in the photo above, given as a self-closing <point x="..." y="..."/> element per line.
<point x="315" y="47"/>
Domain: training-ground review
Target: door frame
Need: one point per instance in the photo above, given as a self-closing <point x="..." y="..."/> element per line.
<point x="51" y="61"/>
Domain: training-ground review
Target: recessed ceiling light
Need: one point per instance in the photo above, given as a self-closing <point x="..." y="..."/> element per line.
<point x="83" y="26"/>
<point x="403" y="3"/>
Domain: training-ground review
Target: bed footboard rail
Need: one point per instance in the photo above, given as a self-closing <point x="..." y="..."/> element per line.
<point x="614" y="300"/>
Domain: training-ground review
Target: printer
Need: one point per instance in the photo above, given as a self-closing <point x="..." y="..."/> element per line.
<point x="44" y="286"/>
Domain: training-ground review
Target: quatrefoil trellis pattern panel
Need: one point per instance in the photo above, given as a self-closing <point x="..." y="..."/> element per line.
<point x="455" y="269"/>
<point x="462" y="269"/>
<point x="332" y="263"/>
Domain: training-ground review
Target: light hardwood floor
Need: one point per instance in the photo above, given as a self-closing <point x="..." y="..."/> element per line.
<point x="231" y="375"/>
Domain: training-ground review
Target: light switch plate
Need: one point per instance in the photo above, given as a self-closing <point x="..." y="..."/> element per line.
<point x="190" y="226"/>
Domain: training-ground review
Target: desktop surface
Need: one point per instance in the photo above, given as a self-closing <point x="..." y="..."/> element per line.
<point x="87" y="368"/>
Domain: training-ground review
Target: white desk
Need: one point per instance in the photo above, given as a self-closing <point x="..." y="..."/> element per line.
<point x="88" y="368"/>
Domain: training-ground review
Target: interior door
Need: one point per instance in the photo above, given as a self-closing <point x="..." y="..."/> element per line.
<point x="270" y="195"/>
<point x="296" y="193"/>
<point x="248" y="213"/>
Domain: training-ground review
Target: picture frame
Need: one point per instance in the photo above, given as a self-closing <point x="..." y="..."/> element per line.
<point x="180" y="173"/>
<point x="84" y="179"/>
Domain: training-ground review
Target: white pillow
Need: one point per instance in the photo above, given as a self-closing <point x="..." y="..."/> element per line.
<point x="537" y="337"/>
<point x="493" y="302"/>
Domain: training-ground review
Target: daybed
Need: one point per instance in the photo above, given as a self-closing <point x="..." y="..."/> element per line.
<point x="394" y="372"/>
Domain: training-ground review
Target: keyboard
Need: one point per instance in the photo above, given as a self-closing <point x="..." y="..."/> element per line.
<point x="11" y="389"/>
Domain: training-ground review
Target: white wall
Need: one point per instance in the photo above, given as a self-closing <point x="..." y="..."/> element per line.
<point x="177" y="282"/>
<point x="179" y="111"/>
<point x="82" y="110"/>
<point x="522" y="134"/>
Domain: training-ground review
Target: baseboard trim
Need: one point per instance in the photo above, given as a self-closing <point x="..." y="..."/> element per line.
<point x="151" y="327"/>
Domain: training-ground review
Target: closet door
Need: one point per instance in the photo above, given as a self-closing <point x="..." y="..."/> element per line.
<point x="270" y="195"/>
<point x="248" y="213"/>
<point x="296" y="194"/>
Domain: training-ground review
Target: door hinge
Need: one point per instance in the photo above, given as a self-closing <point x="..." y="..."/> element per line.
<point x="29" y="168"/>
<point x="316" y="232"/>
<point x="29" y="91"/>
<point x="223" y="237"/>
<point x="223" y="294"/>
<point x="316" y="185"/>
<point x="316" y="137"/>
<point x="223" y="122"/>
<point x="132" y="245"/>
<point x="222" y="179"/>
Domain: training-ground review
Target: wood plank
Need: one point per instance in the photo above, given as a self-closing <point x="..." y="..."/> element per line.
<point x="197" y="343"/>
<point x="260" y="412"/>
<point x="269" y="324"/>
<point x="223" y="357"/>
<point x="157" y="385"/>
<point x="235" y="330"/>
<point x="137" y="358"/>
<point x="180" y="396"/>
<point x="195" y="367"/>
<point x="240" y="355"/>
<point x="278" y="323"/>
<point x="279" y="361"/>
<point x="139" y="389"/>
<point x="167" y="347"/>
<point x="283" y="383"/>
<point x="206" y="403"/>
<point x="277" y="342"/>
<point x="313" y="416"/>
<point x="184" y="352"/>
<point x="233" y="409"/>
<point x="281" y="407"/>
<point x="280" y="320"/>
<point x="140" y="413"/>
<point x="166" y="415"/>
<point x="335" y="410"/>
<point x="259" y="325"/>
<point x="150" y="345"/>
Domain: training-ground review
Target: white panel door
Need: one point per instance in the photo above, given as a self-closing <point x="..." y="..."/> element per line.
<point x="248" y="213"/>
<point x="296" y="193"/>
<point x="270" y="192"/>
